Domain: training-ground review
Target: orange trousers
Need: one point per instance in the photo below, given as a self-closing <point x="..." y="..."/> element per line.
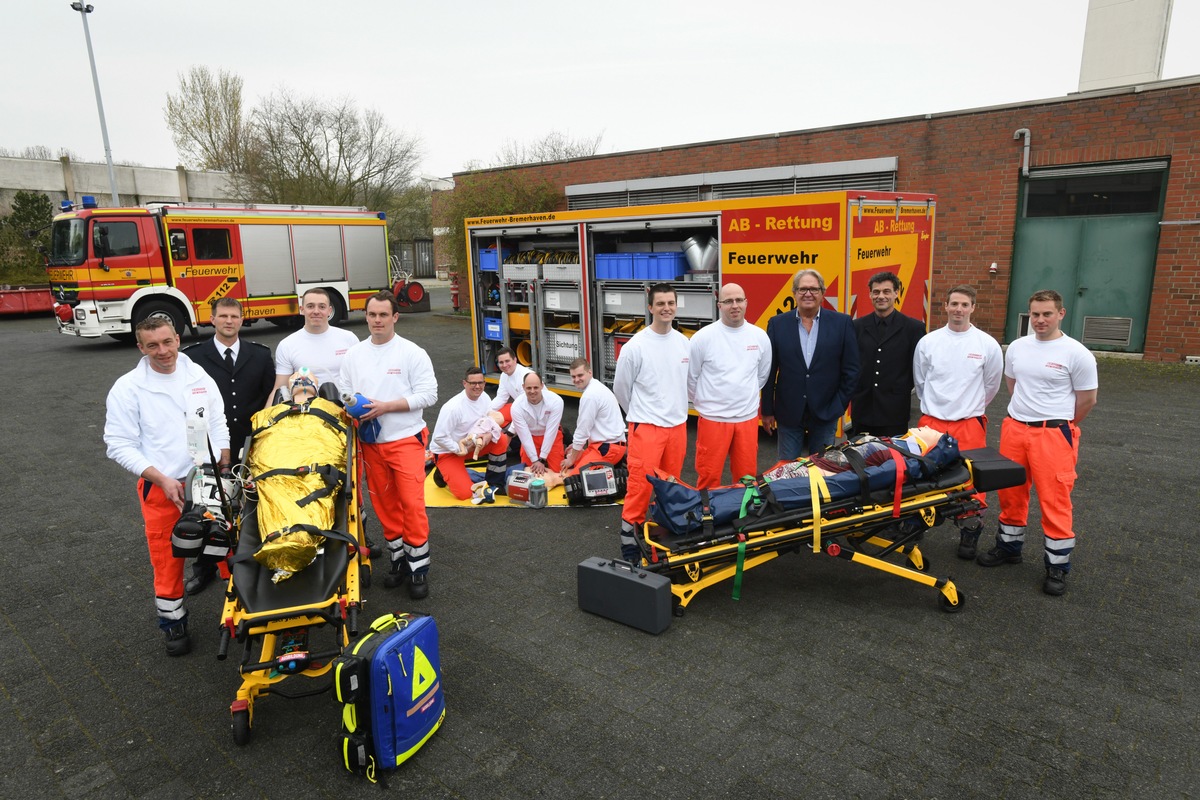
<point x="554" y="460"/>
<point x="454" y="467"/>
<point x="650" y="448"/>
<point x="396" y="483"/>
<point x="970" y="433"/>
<point x="160" y="516"/>
<point x="716" y="441"/>
<point x="1049" y="456"/>
<point x="598" y="453"/>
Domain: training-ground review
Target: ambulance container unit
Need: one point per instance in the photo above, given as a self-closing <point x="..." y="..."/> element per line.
<point x="111" y="268"/>
<point x="555" y="286"/>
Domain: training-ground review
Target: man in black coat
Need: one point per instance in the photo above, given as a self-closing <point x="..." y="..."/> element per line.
<point x="244" y="371"/>
<point x="887" y="341"/>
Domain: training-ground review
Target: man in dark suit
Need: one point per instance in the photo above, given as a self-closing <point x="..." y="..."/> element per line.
<point x="244" y="371"/>
<point x="887" y="340"/>
<point x="814" y="369"/>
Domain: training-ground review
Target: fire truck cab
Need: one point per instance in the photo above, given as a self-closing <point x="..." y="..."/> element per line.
<point x="111" y="268"/>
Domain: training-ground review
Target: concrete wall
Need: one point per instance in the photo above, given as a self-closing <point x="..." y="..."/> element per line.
<point x="971" y="161"/>
<point x="63" y="179"/>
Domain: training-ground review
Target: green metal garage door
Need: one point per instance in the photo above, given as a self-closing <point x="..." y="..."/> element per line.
<point x="1093" y="238"/>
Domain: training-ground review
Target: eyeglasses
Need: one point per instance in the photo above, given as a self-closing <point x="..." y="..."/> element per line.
<point x="732" y="301"/>
<point x="474" y="383"/>
<point x="808" y="290"/>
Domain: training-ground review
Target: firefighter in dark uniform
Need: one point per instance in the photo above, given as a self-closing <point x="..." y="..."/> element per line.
<point x="244" y="371"/>
<point x="887" y="340"/>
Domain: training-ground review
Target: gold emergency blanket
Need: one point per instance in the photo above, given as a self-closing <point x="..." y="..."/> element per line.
<point x="294" y="440"/>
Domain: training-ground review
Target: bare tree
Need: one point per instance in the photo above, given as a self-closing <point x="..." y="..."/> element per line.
<point x="207" y="120"/>
<point x="554" y="146"/>
<point x="308" y="151"/>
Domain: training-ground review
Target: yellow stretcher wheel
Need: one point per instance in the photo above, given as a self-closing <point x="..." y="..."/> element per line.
<point x="525" y="353"/>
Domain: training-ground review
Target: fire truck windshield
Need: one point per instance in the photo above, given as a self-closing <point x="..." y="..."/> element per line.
<point x="67" y="243"/>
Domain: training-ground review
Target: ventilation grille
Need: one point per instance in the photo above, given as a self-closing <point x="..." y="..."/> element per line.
<point x="1107" y="331"/>
<point x="869" y="181"/>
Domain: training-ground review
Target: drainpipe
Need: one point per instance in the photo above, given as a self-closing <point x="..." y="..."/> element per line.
<point x="1017" y="134"/>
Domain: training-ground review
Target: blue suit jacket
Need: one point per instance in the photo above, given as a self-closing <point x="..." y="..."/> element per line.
<point x="823" y="388"/>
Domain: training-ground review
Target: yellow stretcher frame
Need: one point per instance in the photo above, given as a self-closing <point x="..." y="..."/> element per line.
<point x="693" y="570"/>
<point x="266" y="629"/>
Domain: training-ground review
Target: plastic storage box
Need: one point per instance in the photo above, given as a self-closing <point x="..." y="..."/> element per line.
<point x="489" y="260"/>
<point x="658" y="266"/>
<point x="614" y="266"/>
<point x="493" y="329"/>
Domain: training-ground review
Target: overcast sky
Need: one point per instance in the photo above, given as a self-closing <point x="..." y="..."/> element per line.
<point x="465" y="76"/>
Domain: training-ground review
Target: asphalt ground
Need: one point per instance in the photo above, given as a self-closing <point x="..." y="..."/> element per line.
<point x="826" y="679"/>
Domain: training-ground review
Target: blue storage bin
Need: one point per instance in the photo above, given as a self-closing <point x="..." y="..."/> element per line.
<point x="669" y="266"/>
<point x="489" y="261"/>
<point x="643" y="267"/>
<point x="614" y="266"/>
<point x="493" y="329"/>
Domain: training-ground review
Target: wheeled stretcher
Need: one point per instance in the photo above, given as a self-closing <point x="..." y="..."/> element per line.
<point x="294" y="617"/>
<point x="874" y="523"/>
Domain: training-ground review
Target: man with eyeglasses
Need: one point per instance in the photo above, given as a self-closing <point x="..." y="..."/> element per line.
<point x="814" y="369"/>
<point x="727" y="369"/>
<point x="887" y="340"/>
<point x="455" y="422"/>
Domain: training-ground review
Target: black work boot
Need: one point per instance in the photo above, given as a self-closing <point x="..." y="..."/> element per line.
<point x="1056" y="581"/>
<point x="998" y="555"/>
<point x="418" y="589"/>
<point x="968" y="540"/>
<point x="178" y="642"/>
<point x="397" y="575"/>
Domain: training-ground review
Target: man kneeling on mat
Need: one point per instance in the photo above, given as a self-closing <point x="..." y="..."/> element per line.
<point x="467" y="429"/>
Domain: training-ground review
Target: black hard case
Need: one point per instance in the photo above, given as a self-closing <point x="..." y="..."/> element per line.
<point x="991" y="471"/>
<point x="619" y="591"/>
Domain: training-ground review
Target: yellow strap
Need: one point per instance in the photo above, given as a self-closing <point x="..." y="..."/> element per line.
<point x="816" y="484"/>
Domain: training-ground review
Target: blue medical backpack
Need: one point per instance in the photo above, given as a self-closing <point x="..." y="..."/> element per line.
<point x="389" y="682"/>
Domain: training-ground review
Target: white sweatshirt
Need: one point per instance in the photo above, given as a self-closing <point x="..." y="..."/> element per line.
<point x="322" y="353"/>
<point x="511" y="388"/>
<point x="652" y="378"/>
<point x="599" y="418"/>
<point x="956" y="374"/>
<point x="727" y="369"/>
<point x="397" y="369"/>
<point x="543" y="420"/>
<point x="146" y="423"/>
<point x="455" y="420"/>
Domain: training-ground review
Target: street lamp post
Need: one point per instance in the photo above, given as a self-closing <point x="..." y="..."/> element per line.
<point x="84" y="10"/>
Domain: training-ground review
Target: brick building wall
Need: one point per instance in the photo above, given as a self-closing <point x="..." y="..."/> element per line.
<point x="971" y="161"/>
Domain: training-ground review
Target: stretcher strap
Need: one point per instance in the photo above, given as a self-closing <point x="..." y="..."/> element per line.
<point x="859" y="465"/>
<point x="737" y="575"/>
<point x="303" y="408"/>
<point x="816" y="484"/>
<point x="332" y="476"/>
<point x="901" y="471"/>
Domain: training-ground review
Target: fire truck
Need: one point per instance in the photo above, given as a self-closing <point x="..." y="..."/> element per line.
<point x="111" y="268"/>
<point x="560" y="285"/>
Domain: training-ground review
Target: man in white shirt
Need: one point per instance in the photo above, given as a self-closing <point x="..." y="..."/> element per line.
<point x="397" y="378"/>
<point x="456" y="419"/>
<point x="599" y="427"/>
<point x="150" y="411"/>
<point x="651" y="386"/>
<point x="318" y="345"/>
<point x="727" y="369"/>
<point x="512" y="382"/>
<point x="1053" y="382"/>
<point x="956" y="372"/>
<point x="537" y="423"/>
